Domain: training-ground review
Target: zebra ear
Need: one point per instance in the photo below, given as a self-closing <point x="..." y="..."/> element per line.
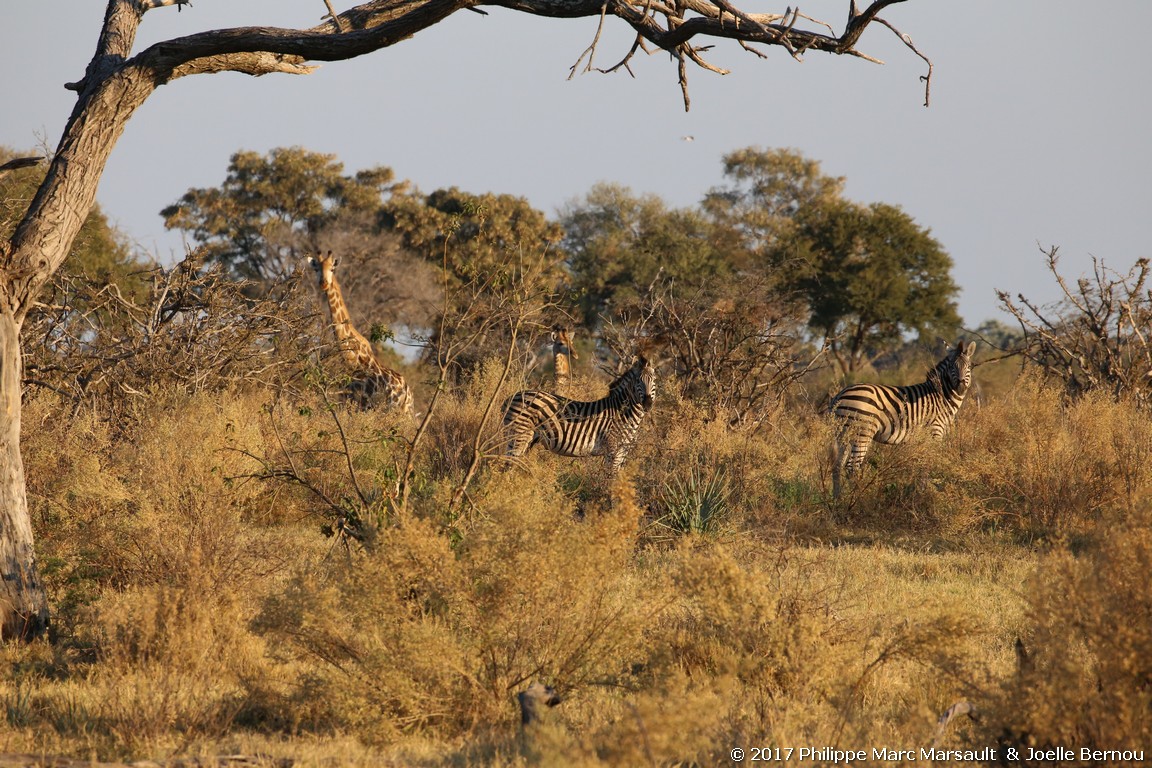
<point x="971" y="349"/>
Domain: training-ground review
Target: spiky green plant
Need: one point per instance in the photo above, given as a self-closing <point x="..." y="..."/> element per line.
<point x="696" y="502"/>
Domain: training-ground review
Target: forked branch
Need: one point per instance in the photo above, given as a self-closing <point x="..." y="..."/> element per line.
<point x="674" y="25"/>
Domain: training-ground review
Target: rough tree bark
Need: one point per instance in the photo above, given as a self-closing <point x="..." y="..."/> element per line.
<point x="117" y="82"/>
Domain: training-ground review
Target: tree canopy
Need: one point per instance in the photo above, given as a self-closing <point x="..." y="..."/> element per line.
<point x="765" y="191"/>
<point x="870" y="274"/>
<point x="617" y="244"/>
<point x="867" y="274"/>
<point x="470" y="234"/>
<point x="269" y="206"/>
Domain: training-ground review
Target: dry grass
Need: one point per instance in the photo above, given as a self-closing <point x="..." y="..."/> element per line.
<point x="199" y="609"/>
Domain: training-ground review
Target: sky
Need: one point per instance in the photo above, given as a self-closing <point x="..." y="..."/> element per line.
<point x="1037" y="134"/>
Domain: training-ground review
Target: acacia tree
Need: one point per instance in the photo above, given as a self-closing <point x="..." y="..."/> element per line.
<point x="766" y="190"/>
<point x="119" y="80"/>
<point x="870" y="274"/>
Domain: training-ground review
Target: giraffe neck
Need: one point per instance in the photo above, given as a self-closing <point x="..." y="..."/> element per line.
<point x="356" y="350"/>
<point x="369" y="374"/>
<point x="562" y="367"/>
<point x="562" y="356"/>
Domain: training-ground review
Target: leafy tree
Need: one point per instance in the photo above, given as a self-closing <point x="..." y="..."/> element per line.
<point x="99" y="251"/>
<point x="617" y="245"/>
<point x="392" y="240"/>
<point x="766" y="190"/>
<point x="870" y="275"/>
<point x="118" y="80"/>
<point x="270" y="206"/>
<point x="479" y="244"/>
<point x="471" y="235"/>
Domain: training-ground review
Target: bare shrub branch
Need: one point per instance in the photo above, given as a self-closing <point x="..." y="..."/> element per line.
<point x="739" y="356"/>
<point x="1096" y="337"/>
<point x="196" y="329"/>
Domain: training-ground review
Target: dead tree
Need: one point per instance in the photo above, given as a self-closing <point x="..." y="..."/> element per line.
<point x="118" y="80"/>
<point x="1098" y="337"/>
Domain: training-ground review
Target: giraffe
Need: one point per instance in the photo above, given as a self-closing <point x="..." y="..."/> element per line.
<point x="562" y="354"/>
<point x="368" y="373"/>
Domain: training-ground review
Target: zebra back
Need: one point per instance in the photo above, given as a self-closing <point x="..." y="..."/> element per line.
<point x="605" y="427"/>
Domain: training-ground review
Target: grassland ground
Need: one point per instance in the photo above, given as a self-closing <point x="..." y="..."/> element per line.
<point x="722" y="600"/>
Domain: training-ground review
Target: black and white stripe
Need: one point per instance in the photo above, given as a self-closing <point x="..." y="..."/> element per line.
<point x="890" y="415"/>
<point x="606" y="427"/>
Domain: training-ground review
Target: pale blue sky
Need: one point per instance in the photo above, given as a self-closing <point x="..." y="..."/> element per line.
<point x="1038" y="130"/>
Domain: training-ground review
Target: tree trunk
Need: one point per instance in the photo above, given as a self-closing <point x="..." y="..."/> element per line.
<point x="23" y="603"/>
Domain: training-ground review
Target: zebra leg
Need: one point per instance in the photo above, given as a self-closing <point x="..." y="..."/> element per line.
<point x="517" y="447"/>
<point x="615" y="462"/>
<point x="858" y="450"/>
<point x="519" y="442"/>
<point x="850" y="454"/>
<point x="837" y="468"/>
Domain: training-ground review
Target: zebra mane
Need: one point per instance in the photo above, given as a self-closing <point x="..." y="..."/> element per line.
<point x="639" y="365"/>
<point x="935" y="380"/>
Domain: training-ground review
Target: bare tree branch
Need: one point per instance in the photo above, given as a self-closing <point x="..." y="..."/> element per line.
<point x="19" y="162"/>
<point x="1094" y="338"/>
<point x="926" y="79"/>
<point x="332" y="15"/>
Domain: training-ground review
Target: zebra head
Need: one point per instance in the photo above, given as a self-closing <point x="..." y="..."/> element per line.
<point x="956" y="368"/>
<point x="637" y="385"/>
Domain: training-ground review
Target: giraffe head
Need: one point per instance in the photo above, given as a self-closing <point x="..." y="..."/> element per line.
<point x="325" y="268"/>
<point x="562" y="352"/>
<point x="562" y="341"/>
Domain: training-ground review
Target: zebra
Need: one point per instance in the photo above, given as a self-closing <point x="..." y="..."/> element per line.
<point x="606" y="427"/>
<point x="890" y="415"/>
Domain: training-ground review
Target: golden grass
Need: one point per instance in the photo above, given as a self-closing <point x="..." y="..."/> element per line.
<point x="199" y="609"/>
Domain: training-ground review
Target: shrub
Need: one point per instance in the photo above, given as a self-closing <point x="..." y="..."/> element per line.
<point x="1042" y="465"/>
<point x="694" y="503"/>
<point x="421" y="637"/>
<point x="1088" y="678"/>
